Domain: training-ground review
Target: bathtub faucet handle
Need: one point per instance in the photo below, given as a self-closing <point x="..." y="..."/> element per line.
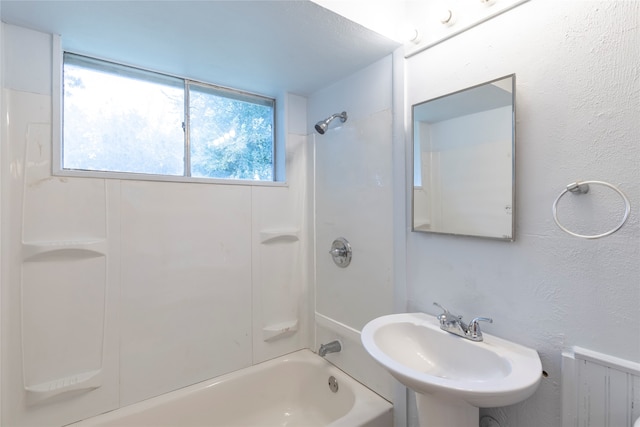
<point x="332" y="347"/>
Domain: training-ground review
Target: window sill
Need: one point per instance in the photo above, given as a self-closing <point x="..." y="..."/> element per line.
<point x="163" y="178"/>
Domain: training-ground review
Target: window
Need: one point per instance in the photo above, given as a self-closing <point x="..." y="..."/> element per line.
<point x="122" y="119"/>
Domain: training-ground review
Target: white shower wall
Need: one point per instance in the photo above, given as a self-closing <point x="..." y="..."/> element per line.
<point x="354" y="200"/>
<point x="114" y="291"/>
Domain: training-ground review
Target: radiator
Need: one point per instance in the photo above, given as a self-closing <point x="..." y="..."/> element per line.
<point x="599" y="390"/>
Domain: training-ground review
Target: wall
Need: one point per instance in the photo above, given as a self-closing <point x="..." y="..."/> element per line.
<point x="466" y="159"/>
<point x="577" y="112"/>
<point x="2" y="191"/>
<point x="114" y="291"/>
<point x="354" y="199"/>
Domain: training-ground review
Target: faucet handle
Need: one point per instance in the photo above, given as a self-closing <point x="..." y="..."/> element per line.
<point x="447" y="316"/>
<point x="473" y="329"/>
<point x="441" y="307"/>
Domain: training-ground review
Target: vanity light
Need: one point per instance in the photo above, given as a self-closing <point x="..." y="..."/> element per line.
<point x="409" y="34"/>
<point x="446" y="17"/>
<point x="414" y="36"/>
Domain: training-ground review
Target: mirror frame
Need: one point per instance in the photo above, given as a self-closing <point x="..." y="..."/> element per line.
<point x="513" y="159"/>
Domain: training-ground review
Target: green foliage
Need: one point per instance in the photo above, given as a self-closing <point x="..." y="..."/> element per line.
<point x="230" y="138"/>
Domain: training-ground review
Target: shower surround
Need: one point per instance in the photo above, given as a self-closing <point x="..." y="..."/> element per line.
<point x="115" y="291"/>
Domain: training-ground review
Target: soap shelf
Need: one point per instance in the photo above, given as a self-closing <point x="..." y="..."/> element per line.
<point x="272" y="236"/>
<point x="86" y="381"/>
<point x="421" y="224"/>
<point x="279" y="330"/>
<point x="70" y="249"/>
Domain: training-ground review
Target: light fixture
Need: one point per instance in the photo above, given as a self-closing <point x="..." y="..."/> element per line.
<point x="446" y="17"/>
<point x="408" y="34"/>
<point x="413" y="36"/>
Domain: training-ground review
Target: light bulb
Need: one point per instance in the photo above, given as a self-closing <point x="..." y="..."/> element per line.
<point x="409" y="34"/>
<point x="446" y="16"/>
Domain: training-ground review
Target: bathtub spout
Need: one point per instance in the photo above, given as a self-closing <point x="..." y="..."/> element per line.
<point x="332" y="347"/>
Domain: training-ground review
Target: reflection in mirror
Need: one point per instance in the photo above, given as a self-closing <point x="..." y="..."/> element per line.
<point x="464" y="162"/>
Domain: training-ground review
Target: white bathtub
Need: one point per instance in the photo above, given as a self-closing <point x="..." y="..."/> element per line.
<point x="291" y="391"/>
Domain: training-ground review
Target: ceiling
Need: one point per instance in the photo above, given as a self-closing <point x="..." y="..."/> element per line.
<point x="266" y="47"/>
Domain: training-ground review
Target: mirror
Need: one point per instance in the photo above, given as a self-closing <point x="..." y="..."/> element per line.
<point x="464" y="162"/>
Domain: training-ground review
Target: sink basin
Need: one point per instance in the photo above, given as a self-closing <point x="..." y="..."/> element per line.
<point x="451" y="369"/>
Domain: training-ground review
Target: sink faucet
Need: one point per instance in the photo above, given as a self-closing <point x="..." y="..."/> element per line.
<point x="332" y="347"/>
<point x="454" y="324"/>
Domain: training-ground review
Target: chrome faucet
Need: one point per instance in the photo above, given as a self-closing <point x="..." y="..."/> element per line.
<point x="453" y="324"/>
<point x="332" y="347"/>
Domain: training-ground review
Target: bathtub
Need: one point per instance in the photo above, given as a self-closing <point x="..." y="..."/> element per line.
<point x="292" y="391"/>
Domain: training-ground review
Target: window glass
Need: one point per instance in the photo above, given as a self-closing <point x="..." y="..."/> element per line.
<point x="230" y="137"/>
<point x="121" y="119"/>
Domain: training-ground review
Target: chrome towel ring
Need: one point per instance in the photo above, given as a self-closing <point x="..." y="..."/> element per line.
<point x="582" y="187"/>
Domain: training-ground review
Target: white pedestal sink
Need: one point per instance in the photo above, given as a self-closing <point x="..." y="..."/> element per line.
<point x="452" y="376"/>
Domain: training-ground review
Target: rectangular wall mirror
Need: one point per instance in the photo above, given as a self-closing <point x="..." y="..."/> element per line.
<point x="464" y="162"/>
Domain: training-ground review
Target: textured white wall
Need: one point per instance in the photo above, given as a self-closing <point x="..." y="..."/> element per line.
<point x="578" y="109"/>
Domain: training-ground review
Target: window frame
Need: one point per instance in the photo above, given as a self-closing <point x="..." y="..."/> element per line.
<point x="57" y="130"/>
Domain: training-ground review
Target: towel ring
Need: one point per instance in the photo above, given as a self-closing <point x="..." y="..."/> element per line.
<point x="582" y="187"/>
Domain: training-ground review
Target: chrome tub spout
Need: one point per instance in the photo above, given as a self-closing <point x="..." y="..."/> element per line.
<point x="332" y="347"/>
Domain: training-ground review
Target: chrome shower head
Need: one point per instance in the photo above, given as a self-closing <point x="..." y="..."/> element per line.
<point x="322" y="125"/>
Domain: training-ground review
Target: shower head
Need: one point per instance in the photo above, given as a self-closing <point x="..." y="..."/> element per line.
<point x="322" y="125"/>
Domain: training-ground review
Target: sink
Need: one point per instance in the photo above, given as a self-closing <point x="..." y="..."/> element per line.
<point x="452" y="376"/>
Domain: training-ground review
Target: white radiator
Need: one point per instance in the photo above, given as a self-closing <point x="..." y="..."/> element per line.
<point x="599" y="390"/>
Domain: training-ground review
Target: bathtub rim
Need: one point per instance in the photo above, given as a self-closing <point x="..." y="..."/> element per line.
<point x="368" y="405"/>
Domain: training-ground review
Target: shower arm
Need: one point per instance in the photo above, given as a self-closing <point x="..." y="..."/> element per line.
<point x="342" y="116"/>
<point x="323" y="125"/>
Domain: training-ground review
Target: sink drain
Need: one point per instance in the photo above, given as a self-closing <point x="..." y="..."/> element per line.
<point x="333" y="384"/>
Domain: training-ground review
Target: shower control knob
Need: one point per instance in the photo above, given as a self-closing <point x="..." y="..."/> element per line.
<point x="341" y="252"/>
<point x="338" y="252"/>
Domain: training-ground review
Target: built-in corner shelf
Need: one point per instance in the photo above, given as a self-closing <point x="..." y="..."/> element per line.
<point x="86" y="381"/>
<point x="422" y="225"/>
<point x="273" y="236"/>
<point x="279" y="330"/>
<point x="63" y="249"/>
